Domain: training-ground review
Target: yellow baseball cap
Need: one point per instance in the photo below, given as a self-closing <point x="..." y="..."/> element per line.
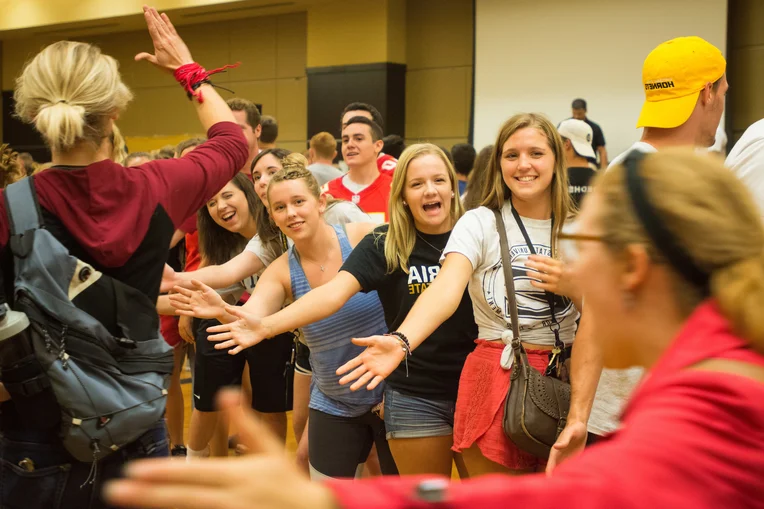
<point x="674" y="73"/>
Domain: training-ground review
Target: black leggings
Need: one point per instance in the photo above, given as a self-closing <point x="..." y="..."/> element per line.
<point x="337" y="445"/>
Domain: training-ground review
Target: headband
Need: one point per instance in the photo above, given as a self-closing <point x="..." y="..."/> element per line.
<point x="656" y="228"/>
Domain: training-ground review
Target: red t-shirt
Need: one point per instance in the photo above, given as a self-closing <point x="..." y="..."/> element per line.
<point x="374" y="200"/>
<point x="689" y="439"/>
<point x="386" y="163"/>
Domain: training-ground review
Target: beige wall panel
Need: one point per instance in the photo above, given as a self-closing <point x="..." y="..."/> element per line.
<point x="124" y="47"/>
<point x="438" y="102"/>
<point x="159" y="111"/>
<point x="360" y="32"/>
<point x="439" y="33"/>
<point x="746" y="27"/>
<point x="149" y="143"/>
<point x="291" y="46"/>
<point x="18" y="14"/>
<point x="294" y="146"/>
<point x="747" y="65"/>
<point x="442" y="142"/>
<point x="253" y="43"/>
<point x="260" y="92"/>
<point x="292" y="108"/>
<point x="210" y="47"/>
<point x="15" y="55"/>
<point x="396" y="31"/>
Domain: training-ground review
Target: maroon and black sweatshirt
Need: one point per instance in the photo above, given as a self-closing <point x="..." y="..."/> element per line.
<point x="120" y="220"/>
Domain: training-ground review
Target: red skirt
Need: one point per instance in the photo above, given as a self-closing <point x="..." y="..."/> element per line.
<point x="483" y="389"/>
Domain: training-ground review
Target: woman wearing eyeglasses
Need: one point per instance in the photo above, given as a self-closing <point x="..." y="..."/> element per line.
<point x="669" y="254"/>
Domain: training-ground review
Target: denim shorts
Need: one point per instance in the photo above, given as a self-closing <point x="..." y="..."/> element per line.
<point x="409" y="416"/>
<point x="40" y="474"/>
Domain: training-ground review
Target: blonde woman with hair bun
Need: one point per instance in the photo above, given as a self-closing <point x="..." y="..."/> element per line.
<point x="669" y="254"/>
<point x="118" y="221"/>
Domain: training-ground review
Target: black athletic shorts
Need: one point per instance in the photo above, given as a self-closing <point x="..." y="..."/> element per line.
<point x="338" y="445"/>
<point x="270" y="370"/>
<point x="302" y="358"/>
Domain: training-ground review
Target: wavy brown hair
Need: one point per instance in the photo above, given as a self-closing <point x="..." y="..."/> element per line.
<point x="216" y="244"/>
<point x="495" y="191"/>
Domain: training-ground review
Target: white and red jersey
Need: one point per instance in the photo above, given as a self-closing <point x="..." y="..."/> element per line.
<point x="373" y="200"/>
<point x="386" y="163"/>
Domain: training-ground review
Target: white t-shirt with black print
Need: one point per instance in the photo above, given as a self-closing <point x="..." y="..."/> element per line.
<point x="475" y="237"/>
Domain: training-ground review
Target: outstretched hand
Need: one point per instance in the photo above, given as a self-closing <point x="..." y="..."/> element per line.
<point x="382" y="355"/>
<point x="266" y="478"/>
<point x="201" y="302"/>
<point x="571" y="442"/>
<point x="170" y="52"/>
<point x="240" y="334"/>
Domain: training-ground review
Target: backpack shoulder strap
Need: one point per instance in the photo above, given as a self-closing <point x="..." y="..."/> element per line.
<point x="22" y="207"/>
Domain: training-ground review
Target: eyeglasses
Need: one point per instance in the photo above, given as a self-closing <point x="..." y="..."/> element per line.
<point x="569" y="244"/>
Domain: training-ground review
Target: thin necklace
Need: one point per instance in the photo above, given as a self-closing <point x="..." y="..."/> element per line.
<point x="440" y="251"/>
<point x="321" y="265"/>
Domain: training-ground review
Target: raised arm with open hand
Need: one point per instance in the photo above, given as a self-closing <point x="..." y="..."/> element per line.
<point x="242" y="333"/>
<point x="382" y="355"/>
<point x="170" y="52"/>
<point x="201" y="302"/>
<point x="436" y="304"/>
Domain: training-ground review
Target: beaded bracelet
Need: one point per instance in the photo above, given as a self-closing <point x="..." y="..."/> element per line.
<point x="405" y="346"/>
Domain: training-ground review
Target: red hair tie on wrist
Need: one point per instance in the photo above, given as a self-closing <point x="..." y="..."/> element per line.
<point x="191" y="76"/>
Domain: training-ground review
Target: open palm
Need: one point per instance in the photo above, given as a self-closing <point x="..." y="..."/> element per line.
<point x="202" y="302"/>
<point x="382" y="355"/>
<point x="170" y="52"/>
<point x="240" y="334"/>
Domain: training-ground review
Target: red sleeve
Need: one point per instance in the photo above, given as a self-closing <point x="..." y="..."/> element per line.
<point x="193" y="257"/>
<point x="693" y="441"/>
<point x="184" y="185"/>
<point x="189" y="225"/>
<point x="487" y="492"/>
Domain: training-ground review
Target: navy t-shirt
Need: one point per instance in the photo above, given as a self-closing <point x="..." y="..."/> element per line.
<point x="436" y="365"/>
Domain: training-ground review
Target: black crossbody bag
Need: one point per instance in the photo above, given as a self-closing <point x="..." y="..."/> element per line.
<point x="537" y="405"/>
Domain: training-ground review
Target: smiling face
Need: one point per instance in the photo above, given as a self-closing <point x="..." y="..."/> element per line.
<point x="428" y="193"/>
<point x="229" y="208"/>
<point x="358" y="147"/>
<point x="265" y="168"/>
<point x="527" y="167"/>
<point x="295" y="209"/>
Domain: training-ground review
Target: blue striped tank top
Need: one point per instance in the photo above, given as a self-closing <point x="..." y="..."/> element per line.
<point x="330" y="346"/>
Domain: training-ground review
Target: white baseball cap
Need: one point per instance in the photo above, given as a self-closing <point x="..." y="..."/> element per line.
<point x="580" y="135"/>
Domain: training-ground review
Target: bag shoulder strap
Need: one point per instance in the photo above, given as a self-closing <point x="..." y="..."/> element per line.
<point x="547" y="295"/>
<point x="508" y="277"/>
<point x="22" y="207"/>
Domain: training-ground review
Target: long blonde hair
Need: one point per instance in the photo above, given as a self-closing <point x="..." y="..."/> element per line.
<point x="68" y="91"/>
<point x="713" y="218"/>
<point x="401" y="234"/>
<point x="495" y="192"/>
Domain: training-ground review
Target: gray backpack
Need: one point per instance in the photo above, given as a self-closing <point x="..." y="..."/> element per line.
<point x="108" y="388"/>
